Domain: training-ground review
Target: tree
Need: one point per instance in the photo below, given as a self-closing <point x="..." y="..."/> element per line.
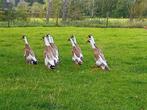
<point x="32" y="1"/>
<point x="48" y="10"/>
<point x="136" y="8"/>
<point x="1" y="11"/>
<point x="22" y="11"/>
<point x="121" y="9"/>
<point x="56" y="6"/>
<point x="64" y="9"/>
<point x="92" y="9"/>
<point x="75" y="10"/>
<point x="37" y="10"/>
<point x="7" y="12"/>
<point x="141" y="8"/>
<point x="1" y="4"/>
<point x="106" y="9"/>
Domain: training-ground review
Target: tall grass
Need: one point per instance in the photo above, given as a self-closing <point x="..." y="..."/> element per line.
<point x="87" y="22"/>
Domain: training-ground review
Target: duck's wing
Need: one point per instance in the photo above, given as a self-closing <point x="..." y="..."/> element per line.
<point x="79" y="49"/>
<point x="55" y="50"/>
<point x="49" y="57"/>
<point x="76" y="51"/>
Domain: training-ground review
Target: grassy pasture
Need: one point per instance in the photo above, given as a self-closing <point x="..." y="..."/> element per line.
<point x="70" y="87"/>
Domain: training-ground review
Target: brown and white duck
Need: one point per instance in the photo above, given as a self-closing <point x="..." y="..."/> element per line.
<point x="77" y="55"/>
<point x="98" y="55"/>
<point x="54" y="48"/>
<point x="28" y="52"/>
<point x="49" y="58"/>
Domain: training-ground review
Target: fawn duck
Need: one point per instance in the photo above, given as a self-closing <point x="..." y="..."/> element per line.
<point x="49" y="58"/>
<point x="99" y="56"/>
<point x="54" y="48"/>
<point x="28" y="52"/>
<point x="77" y="55"/>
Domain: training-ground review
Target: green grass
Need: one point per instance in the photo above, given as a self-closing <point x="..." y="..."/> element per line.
<point x="70" y="87"/>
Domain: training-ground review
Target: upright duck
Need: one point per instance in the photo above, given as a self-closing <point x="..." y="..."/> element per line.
<point x="49" y="58"/>
<point x="98" y="55"/>
<point x="54" y="48"/>
<point x="77" y="55"/>
<point x="28" y="52"/>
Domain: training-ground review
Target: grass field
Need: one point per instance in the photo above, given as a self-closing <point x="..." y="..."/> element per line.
<point x="70" y="87"/>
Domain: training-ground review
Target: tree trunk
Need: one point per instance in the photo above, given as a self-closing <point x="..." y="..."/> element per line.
<point x="8" y="12"/>
<point x="48" y="13"/>
<point x="92" y="9"/>
<point x="131" y="13"/>
<point x="57" y="19"/>
<point x="107" y="19"/>
<point x="131" y="18"/>
<point x="8" y="23"/>
<point x="64" y="11"/>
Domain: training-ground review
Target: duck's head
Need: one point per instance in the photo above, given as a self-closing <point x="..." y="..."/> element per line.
<point x="89" y="38"/>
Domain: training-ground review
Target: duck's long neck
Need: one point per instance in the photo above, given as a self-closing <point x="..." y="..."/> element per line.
<point x="92" y="43"/>
<point x="26" y="41"/>
<point x="51" y="40"/>
<point x="75" y="41"/>
<point x="92" y="39"/>
<point x="72" y="43"/>
<point x="46" y="41"/>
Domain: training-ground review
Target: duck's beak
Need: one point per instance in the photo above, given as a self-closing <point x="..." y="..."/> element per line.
<point x="87" y="41"/>
<point x="68" y="39"/>
<point x="23" y="36"/>
<point x="42" y="38"/>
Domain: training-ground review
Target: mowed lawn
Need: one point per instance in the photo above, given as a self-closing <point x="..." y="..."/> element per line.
<point x="72" y="87"/>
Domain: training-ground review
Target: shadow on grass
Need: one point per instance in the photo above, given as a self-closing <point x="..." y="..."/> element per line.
<point x="138" y="82"/>
<point x="139" y="69"/>
<point x="49" y="106"/>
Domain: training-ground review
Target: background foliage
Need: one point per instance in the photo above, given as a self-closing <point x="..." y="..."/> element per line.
<point x="72" y="10"/>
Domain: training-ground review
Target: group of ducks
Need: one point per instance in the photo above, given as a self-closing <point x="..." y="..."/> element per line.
<point x="51" y="53"/>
